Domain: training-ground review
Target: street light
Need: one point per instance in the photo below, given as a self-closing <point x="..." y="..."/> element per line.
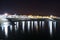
<point x="5" y="14"/>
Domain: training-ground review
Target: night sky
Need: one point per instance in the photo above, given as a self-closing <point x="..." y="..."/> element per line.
<point x="27" y="7"/>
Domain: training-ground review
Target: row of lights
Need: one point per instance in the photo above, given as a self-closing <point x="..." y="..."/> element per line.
<point x="31" y="16"/>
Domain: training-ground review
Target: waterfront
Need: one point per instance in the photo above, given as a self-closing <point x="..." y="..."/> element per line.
<point x="30" y="30"/>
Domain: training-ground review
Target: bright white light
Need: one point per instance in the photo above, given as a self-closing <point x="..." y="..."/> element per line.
<point x="28" y="25"/>
<point x="51" y="15"/>
<point x="5" y="14"/>
<point x="36" y="25"/>
<point x="23" y="25"/>
<point x="42" y="24"/>
<point x="50" y="27"/>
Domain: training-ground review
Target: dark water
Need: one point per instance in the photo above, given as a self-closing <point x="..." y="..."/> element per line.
<point x="35" y="35"/>
<point x="40" y="34"/>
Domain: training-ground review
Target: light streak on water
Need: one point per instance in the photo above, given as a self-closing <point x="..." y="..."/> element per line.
<point x="36" y="25"/>
<point x="2" y="27"/>
<point x="23" y="25"/>
<point x="42" y="24"/>
<point x="5" y="28"/>
<point x="16" y="25"/>
<point x="54" y="23"/>
<point x="10" y="27"/>
<point x="50" y="27"/>
<point x="32" y="25"/>
<point x="28" y="25"/>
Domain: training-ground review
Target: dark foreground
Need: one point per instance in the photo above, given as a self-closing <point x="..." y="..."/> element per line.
<point x="29" y="36"/>
<point x="40" y="34"/>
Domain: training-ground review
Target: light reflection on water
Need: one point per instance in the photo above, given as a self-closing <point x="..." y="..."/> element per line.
<point x="50" y="27"/>
<point x="5" y="26"/>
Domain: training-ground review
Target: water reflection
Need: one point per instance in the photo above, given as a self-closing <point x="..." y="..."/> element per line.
<point x="28" y="23"/>
<point x="16" y="25"/>
<point x="23" y="26"/>
<point x="54" y="23"/>
<point x="43" y="24"/>
<point x="36" y="25"/>
<point x="11" y="27"/>
<point x="4" y="26"/>
<point x="50" y="27"/>
<point x="31" y="25"/>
